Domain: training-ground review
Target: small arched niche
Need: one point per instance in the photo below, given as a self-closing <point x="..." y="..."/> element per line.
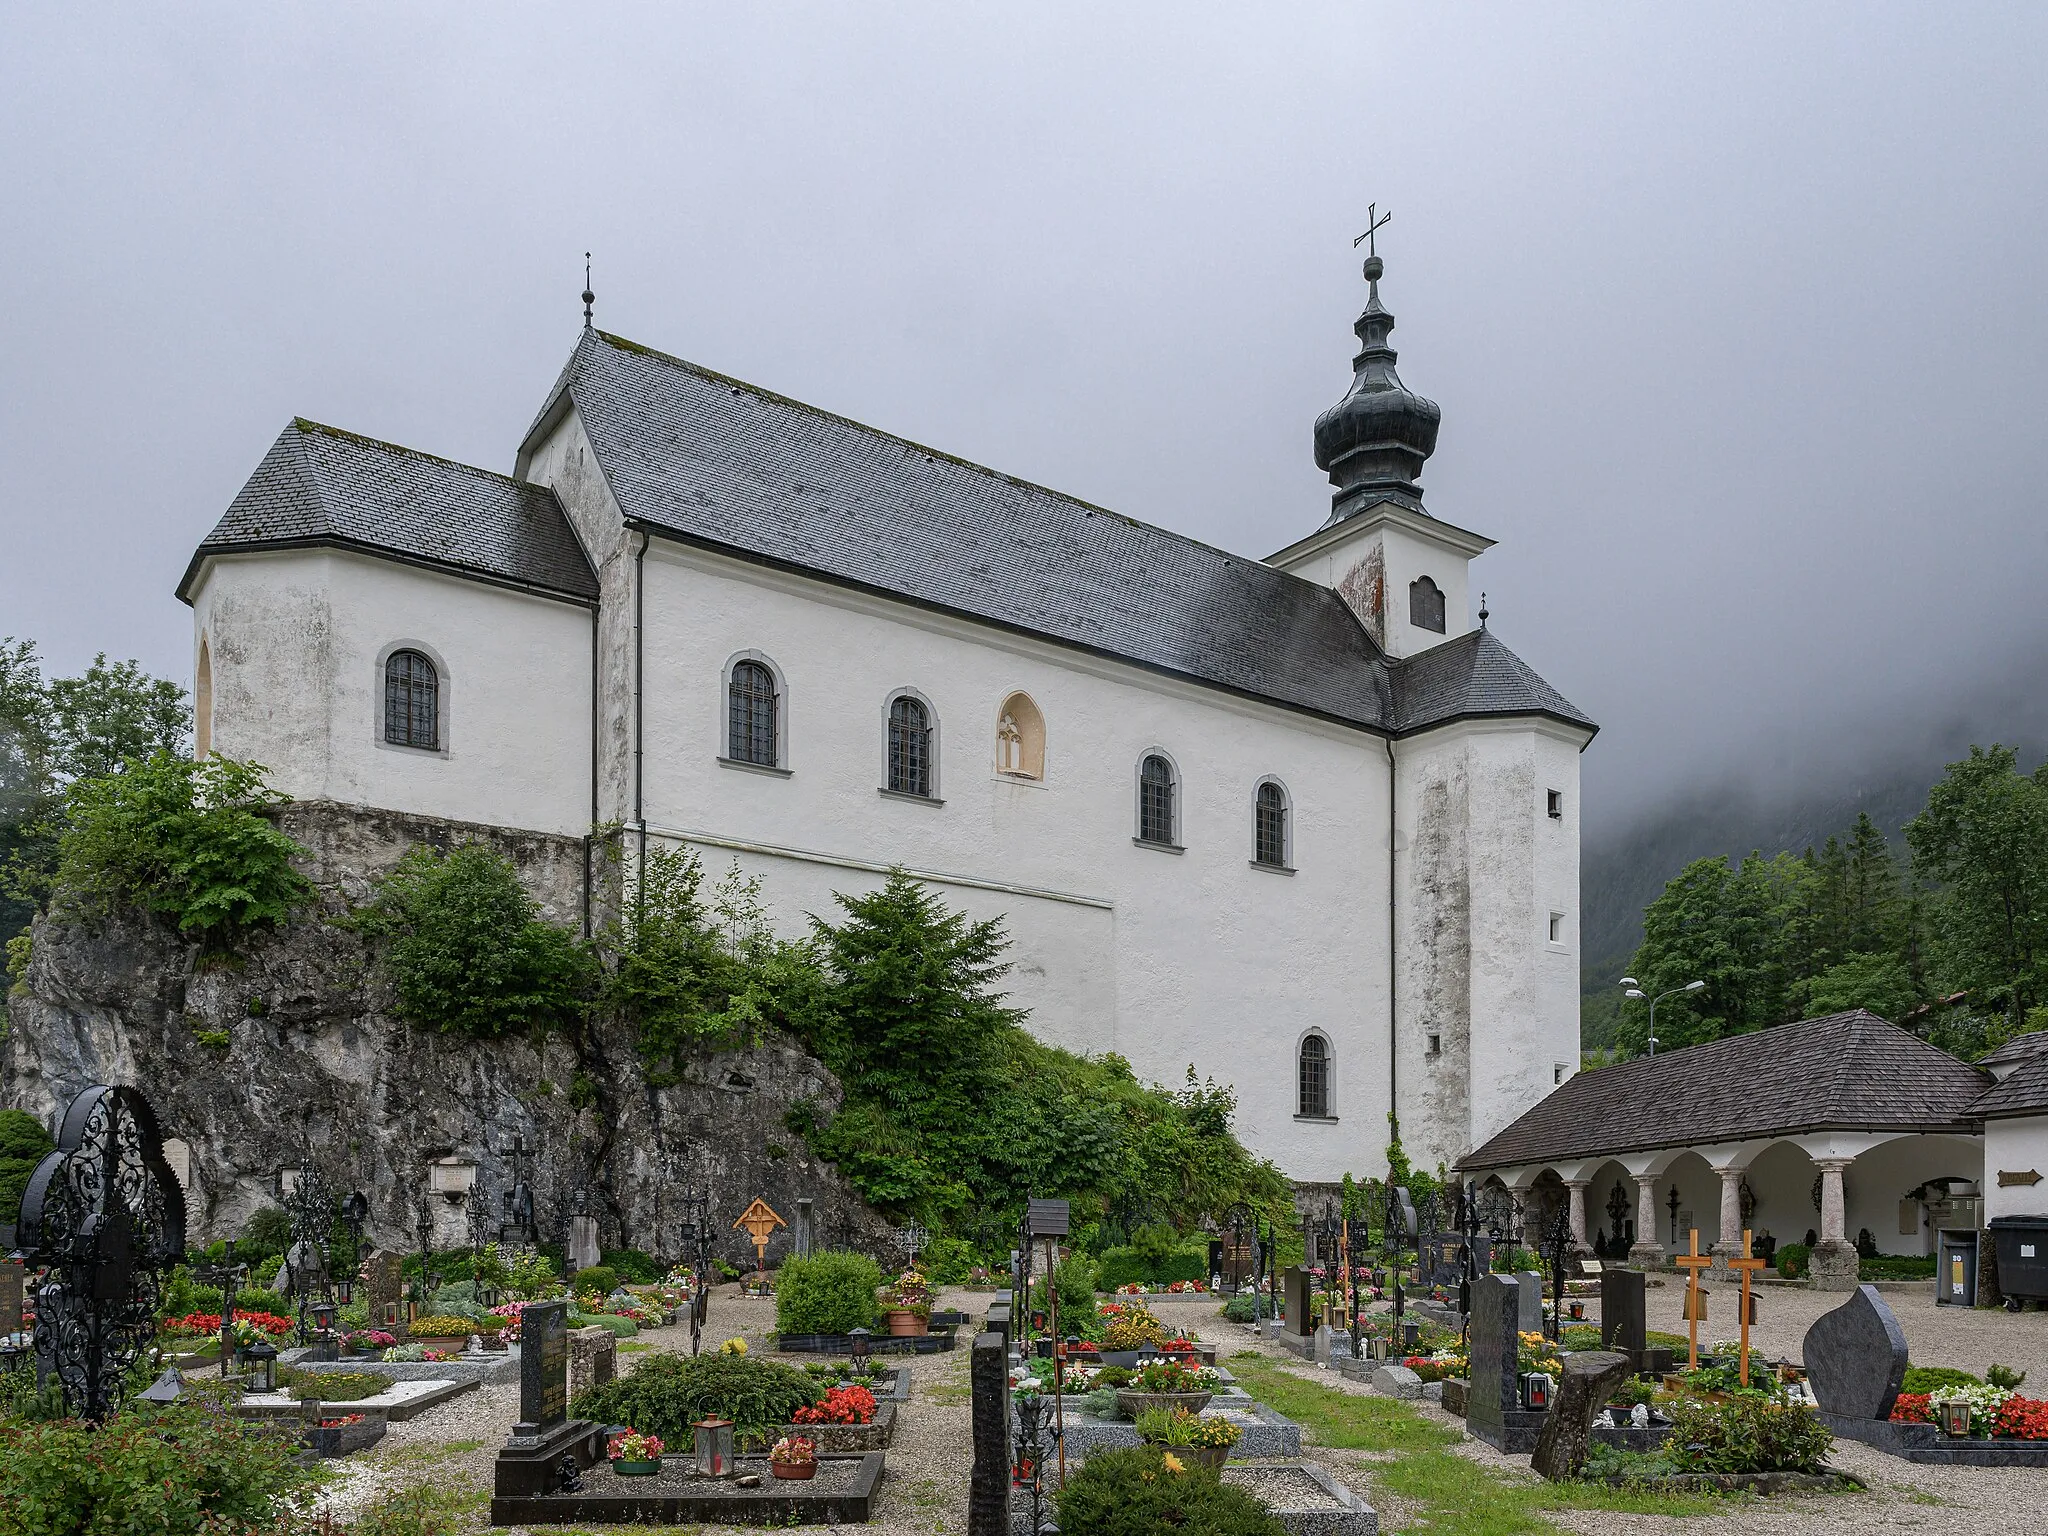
<point x="202" y="702"/>
<point x="1020" y="738"/>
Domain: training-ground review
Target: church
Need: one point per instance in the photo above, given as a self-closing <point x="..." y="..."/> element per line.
<point x="1295" y="822"/>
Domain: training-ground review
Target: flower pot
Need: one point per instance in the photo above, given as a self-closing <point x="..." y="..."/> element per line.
<point x="637" y="1468"/>
<point x="1131" y="1404"/>
<point x="446" y="1344"/>
<point x="1210" y="1456"/>
<point x="794" y="1470"/>
<point x="904" y="1325"/>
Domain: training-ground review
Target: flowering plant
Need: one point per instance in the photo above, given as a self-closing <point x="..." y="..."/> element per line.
<point x="633" y="1446"/>
<point x="1076" y="1380"/>
<point x="345" y="1419"/>
<point x="369" y="1338"/>
<point x="192" y="1324"/>
<point x="733" y="1347"/>
<point x="1182" y="1287"/>
<point x="1130" y="1327"/>
<point x="1179" y="1346"/>
<point x="438" y="1354"/>
<point x="910" y="1293"/>
<point x="1135" y="1288"/>
<point x="840" y="1405"/>
<point x="793" y="1451"/>
<point x="1539" y="1354"/>
<point x="1174" y="1376"/>
<point x="2021" y="1418"/>
<point x="252" y="1326"/>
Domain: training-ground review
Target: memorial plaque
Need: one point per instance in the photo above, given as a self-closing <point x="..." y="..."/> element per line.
<point x="543" y="1369"/>
<point x="10" y="1297"/>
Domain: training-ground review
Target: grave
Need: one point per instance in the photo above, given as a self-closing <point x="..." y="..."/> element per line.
<point x="533" y="1460"/>
<point x="1305" y="1499"/>
<point x="384" y="1291"/>
<point x="1529" y="1301"/>
<point x="1493" y="1410"/>
<point x="1625" y="1320"/>
<point x="843" y="1491"/>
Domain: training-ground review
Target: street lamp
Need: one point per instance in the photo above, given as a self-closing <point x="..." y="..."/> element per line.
<point x="1635" y="989"/>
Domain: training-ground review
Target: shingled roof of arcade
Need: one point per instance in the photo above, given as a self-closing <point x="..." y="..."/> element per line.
<point x="321" y="486"/>
<point x="709" y="460"/>
<point x="1849" y="1071"/>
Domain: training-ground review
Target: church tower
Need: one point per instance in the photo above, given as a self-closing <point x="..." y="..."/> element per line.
<point x="1400" y="570"/>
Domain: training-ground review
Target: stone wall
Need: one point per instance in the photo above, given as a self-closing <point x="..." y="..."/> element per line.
<point x="315" y="1058"/>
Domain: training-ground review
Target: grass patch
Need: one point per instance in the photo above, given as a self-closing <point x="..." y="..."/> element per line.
<point x="631" y="1346"/>
<point x="1344" y="1421"/>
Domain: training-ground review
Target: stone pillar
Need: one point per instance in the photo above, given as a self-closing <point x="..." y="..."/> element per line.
<point x="1834" y="1261"/>
<point x="1728" y="1243"/>
<point x="1577" y="1189"/>
<point x="988" y="1484"/>
<point x="1647" y="1252"/>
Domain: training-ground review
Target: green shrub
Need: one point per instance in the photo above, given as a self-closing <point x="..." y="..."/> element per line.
<point x="1131" y="1265"/>
<point x="1102" y="1403"/>
<point x="666" y="1394"/>
<point x="23" y="1142"/>
<point x="1114" y="1376"/>
<point x="826" y="1293"/>
<point x="267" y="1235"/>
<point x="1130" y="1492"/>
<point x="1748" y="1433"/>
<point x="1240" y="1308"/>
<point x="178" y="1471"/>
<point x="264" y="1275"/>
<point x="1794" y="1259"/>
<point x="601" y="1278"/>
<point x="633" y="1266"/>
<point x="182" y="1295"/>
<point x="260" y="1299"/>
<point x="1936" y="1378"/>
<point x="1074" y="1283"/>
<point x="1896" y="1266"/>
<point x="457" y="1299"/>
<point x="338" y="1386"/>
<point x="419" y="1509"/>
<point x="181" y="838"/>
<point x="624" y="1327"/>
<point x="469" y="952"/>
<point x="947" y="1260"/>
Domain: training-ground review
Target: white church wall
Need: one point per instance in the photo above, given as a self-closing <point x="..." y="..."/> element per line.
<point x="1197" y="956"/>
<point x="266" y="623"/>
<point x="1875" y="1184"/>
<point x="2017" y="1145"/>
<point x="1372" y="559"/>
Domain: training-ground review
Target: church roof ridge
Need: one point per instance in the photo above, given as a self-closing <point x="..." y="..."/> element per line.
<point x="1844" y="1071"/>
<point x="383" y="445"/>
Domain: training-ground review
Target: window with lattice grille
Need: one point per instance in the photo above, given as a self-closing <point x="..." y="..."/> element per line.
<point x="751" y="696"/>
<point x="1269" y="826"/>
<point x="1315" y="1076"/>
<point x="1155" y="801"/>
<point x="910" y="748"/>
<point x="412" y="701"/>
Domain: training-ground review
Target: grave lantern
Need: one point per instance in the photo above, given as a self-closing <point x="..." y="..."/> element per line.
<point x="714" y="1447"/>
<point x="262" y="1360"/>
<point x="1535" y="1391"/>
<point x="1955" y="1419"/>
<point x="1411" y="1335"/>
<point x="858" y="1339"/>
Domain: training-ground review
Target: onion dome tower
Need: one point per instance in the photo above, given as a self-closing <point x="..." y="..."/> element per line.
<point x="1373" y="442"/>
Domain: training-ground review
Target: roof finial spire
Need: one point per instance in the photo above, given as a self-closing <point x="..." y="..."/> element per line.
<point x="1482" y="610"/>
<point x="589" y="298"/>
<point x="1375" y="222"/>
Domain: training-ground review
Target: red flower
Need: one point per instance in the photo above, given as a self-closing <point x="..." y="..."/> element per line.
<point x="1912" y="1408"/>
<point x="841" y="1405"/>
<point x="2022" y="1418"/>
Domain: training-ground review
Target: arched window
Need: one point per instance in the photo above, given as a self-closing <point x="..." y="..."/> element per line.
<point x="1425" y="604"/>
<point x="910" y="747"/>
<point x="1315" y="1077"/>
<point x="750" y="697"/>
<point x="1155" y="801"/>
<point x="412" y="701"/>
<point x="202" y="702"/>
<point x="1269" y="826"/>
<point x="1020" y="738"/>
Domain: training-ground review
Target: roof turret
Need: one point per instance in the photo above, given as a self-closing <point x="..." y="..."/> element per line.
<point x="1373" y="442"/>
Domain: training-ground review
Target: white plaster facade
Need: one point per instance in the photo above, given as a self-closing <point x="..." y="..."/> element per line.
<point x="2016" y="1144"/>
<point x="1437" y="848"/>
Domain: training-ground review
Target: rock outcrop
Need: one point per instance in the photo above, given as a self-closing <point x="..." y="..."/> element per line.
<point x="291" y="1045"/>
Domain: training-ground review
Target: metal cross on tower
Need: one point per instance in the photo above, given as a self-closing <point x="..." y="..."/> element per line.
<point x="1375" y="222"/>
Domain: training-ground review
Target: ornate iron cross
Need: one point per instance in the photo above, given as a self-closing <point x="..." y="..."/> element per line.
<point x="1375" y="222"/>
<point x="103" y="1218"/>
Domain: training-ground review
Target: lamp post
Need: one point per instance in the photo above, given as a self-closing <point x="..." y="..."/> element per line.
<point x="1634" y="988"/>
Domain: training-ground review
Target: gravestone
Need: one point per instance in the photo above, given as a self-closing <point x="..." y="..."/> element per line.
<point x="1855" y="1357"/>
<point x="1529" y="1305"/>
<point x="384" y="1291"/>
<point x="1493" y="1410"/>
<point x="1322" y="1344"/>
<point x="1624" y="1313"/>
<point x="545" y="1438"/>
<point x="583" y="1249"/>
<point x="806" y="1228"/>
<point x="1296" y="1285"/>
<point x="10" y="1296"/>
<point x="1567" y="1433"/>
<point x="988" y="1485"/>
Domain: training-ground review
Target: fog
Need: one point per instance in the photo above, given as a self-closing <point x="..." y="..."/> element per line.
<point x="1736" y="320"/>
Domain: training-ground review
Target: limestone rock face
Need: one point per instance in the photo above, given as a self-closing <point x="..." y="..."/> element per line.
<point x="313" y="1057"/>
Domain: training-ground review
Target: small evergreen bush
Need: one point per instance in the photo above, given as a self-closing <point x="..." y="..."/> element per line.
<point x="826" y="1293"/>
<point x="1793" y="1260"/>
<point x="1134" y="1492"/>
<point x="1129" y="1265"/>
<point x="666" y="1394"/>
<point x="601" y="1278"/>
<point x="1748" y="1433"/>
<point x="1936" y="1378"/>
<point x="258" y="1299"/>
<point x="624" y="1327"/>
<point x="338" y="1386"/>
<point x="23" y="1143"/>
<point x="632" y="1266"/>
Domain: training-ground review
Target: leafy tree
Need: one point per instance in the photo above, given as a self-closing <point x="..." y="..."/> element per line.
<point x="1984" y="840"/>
<point x="181" y="839"/>
<point x="23" y="1143"/>
<point x="111" y="714"/>
<point x="469" y="950"/>
<point x="1881" y="983"/>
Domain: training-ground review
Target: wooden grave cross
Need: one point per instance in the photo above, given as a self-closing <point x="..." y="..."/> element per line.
<point x="1695" y="1296"/>
<point x="760" y="1222"/>
<point x="1748" y="1266"/>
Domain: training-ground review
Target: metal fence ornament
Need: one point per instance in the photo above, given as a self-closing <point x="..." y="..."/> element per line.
<point x="309" y="1272"/>
<point x="104" y="1219"/>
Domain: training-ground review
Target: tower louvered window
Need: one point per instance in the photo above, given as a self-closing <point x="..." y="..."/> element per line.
<point x="752" y="715"/>
<point x="1315" y="1077"/>
<point x="1155" y="800"/>
<point x="910" y="748"/>
<point x="412" y="701"/>
<point x="1269" y="826"/>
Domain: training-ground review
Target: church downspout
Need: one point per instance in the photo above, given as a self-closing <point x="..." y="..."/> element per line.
<point x="1393" y="959"/>
<point x="640" y="693"/>
<point x="590" y="837"/>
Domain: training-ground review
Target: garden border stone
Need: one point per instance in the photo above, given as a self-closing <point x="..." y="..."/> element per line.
<point x="1924" y="1443"/>
<point x="494" y="1370"/>
<point x="701" y="1501"/>
<point x="1272" y="1433"/>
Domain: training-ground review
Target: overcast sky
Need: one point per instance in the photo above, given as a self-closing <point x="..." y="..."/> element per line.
<point x="1737" y="323"/>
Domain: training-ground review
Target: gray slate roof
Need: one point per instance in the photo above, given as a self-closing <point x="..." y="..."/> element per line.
<point x="322" y="486"/>
<point x="2019" y="1048"/>
<point x="2024" y="1092"/>
<point x="712" y="461"/>
<point x="1850" y="1071"/>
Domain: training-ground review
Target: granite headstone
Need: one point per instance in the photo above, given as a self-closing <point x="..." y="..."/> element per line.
<point x="988" y="1484"/>
<point x="1297" y="1286"/>
<point x="1856" y="1357"/>
<point x="543" y="1369"/>
<point x="1495" y="1352"/>
<point x="1624" y="1312"/>
<point x="1529" y="1305"/>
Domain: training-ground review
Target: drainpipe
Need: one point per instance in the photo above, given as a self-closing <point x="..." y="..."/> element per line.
<point x="589" y="837"/>
<point x="640" y="692"/>
<point x="1393" y="960"/>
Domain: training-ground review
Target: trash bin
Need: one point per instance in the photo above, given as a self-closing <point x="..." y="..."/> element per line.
<point x="2022" y="1246"/>
<point x="1955" y="1267"/>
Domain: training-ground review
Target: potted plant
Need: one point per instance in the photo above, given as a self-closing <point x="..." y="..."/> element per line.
<point x="450" y="1335"/>
<point x="1167" y="1384"/>
<point x="634" y="1454"/>
<point x="370" y="1342"/>
<point x="907" y="1306"/>
<point x="1207" y="1441"/>
<point x="793" y="1457"/>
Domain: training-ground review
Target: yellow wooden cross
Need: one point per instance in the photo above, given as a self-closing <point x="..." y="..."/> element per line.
<point x="1748" y="1266"/>
<point x="760" y="1223"/>
<point x="1695" y="1295"/>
